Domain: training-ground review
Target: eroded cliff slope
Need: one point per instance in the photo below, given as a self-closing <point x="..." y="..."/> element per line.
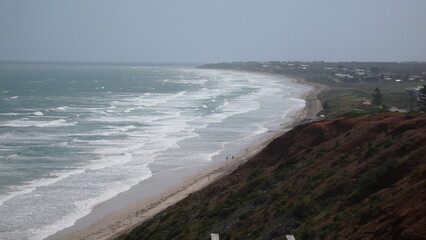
<point x="346" y="178"/>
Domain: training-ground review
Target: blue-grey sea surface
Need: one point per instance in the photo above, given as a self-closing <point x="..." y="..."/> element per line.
<point x="74" y="135"/>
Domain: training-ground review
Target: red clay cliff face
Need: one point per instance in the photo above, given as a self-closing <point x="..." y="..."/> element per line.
<point x="369" y="142"/>
<point x="345" y="178"/>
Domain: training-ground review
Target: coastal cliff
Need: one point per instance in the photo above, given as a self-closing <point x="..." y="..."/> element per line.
<point x="358" y="177"/>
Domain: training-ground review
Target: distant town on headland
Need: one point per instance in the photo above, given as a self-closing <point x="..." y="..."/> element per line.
<point x="339" y="71"/>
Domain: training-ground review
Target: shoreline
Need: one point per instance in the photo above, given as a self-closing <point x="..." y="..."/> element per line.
<point x="144" y="201"/>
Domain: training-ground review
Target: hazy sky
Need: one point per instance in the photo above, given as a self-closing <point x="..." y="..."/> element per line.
<point x="212" y="30"/>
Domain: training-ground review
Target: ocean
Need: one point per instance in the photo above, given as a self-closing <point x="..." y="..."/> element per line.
<point x="74" y="135"/>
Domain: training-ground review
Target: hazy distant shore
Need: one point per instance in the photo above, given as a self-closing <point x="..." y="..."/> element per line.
<point x="146" y="200"/>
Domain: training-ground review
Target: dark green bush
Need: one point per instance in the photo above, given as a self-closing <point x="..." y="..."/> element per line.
<point x="256" y="173"/>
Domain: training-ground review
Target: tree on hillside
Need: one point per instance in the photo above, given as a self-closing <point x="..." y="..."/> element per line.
<point x="326" y="106"/>
<point x="377" y="97"/>
<point x="375" y="70"/>
<point x="423" y="89"/>
<point x="421" y="98"/>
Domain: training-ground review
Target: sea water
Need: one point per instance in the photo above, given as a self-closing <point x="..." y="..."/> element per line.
<point x="74" y="135"/>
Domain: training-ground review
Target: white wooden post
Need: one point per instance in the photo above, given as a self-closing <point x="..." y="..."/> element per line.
<point x="214" y="236"/>
<point x="290" y="237"/>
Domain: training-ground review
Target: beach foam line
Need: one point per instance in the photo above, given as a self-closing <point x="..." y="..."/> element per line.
<point x="83" y="208"/>
<point x="12" y="114"/>
<point x="120" y="157"/>
<point x="25" y="122"/>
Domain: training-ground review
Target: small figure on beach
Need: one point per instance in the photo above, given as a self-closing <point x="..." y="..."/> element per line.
<point x="226" y="158"/>
<point x="232" y="157"/>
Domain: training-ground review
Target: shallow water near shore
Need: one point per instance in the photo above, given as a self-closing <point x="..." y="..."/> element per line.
<point x="73" y="136"/>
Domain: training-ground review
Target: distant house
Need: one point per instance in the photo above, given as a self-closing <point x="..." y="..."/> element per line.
<point x="419" y="94"/>
<point x="415" y="91"/>
<point x="396" y="109"/>
<point x="360" y="72"/>
<point x="366" y="103"/>
<point x="421" y="97"/>
<point x="343" y="75"/>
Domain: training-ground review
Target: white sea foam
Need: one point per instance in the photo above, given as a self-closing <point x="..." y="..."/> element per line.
<point x="84" y="207"/>
<point x="62" y="144"/>
<point x="29" y="187"/>
<point x="63" y="108"/>
<point x="284" y="115"/>
<point x="38" y="113"/>
<point x="122" y="128"/>
<point x="195" y="81"/>
<point x="129" y="110"/>
<point x="116" y="119"/>
<point x="297" y="100"/>
<point x="55" y="177"/>
<point x="25" y="122"/>
<point x="11" y="114"/>
<point x="81" y="207"/>
<point x="13" y="156"/>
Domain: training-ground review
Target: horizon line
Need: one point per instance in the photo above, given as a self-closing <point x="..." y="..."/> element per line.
<point x="190" y="63"/>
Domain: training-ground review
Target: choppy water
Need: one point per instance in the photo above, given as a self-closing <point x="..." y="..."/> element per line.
<point x="72" y="136"/>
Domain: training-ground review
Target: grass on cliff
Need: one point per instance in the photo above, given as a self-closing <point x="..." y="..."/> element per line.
<point x="343" y="97"/>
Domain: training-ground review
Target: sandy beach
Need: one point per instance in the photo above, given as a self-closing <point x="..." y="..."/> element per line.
<point x="146" y="200"/>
